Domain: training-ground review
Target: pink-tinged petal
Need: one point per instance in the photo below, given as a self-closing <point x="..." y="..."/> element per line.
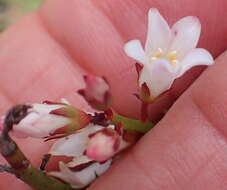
<point x="50" y="119"/>
<point x="159" y="33"/>
<point x="186" y="34"/>
<point x="45" y="108"/>
<point x="135" y="50"/>
<point x="73" y="145"/>
<point x="35" y="125"/>
<point x="158" y="76"/>
<point x="80" y="179"/>
<point x="103" y="145"/>
<point x="195" y="57"/>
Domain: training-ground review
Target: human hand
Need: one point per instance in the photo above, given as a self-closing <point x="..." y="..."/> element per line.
<point x="41" y="58"/>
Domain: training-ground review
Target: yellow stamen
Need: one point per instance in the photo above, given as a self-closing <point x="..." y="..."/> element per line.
<point x="157" y="55"/>
<point x="172" y="57"/>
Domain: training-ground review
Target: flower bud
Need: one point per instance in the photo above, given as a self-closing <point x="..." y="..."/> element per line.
<point x="50" y="119"/>
<point x="103" y="145"/>
<point x="96" y="93"/>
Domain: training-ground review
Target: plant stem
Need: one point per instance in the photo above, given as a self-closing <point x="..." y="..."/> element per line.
<point x="24" y="170"/>
<point x="4" y="168"/>
<point x="132" y="124"/>
<point x="144" y="111"/>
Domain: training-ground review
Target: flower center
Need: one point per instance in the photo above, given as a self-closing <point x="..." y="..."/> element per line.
<point x="171" y="56"/>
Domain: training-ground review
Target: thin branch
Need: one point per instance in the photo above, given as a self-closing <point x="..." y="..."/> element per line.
<point x="8" y="169"/>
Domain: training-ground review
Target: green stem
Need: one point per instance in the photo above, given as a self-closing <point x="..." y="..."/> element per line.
<point x="132" y="124"/>
<point x="25" y="171"/>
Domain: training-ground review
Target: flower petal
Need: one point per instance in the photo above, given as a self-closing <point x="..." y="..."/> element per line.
<point x="159" y="33"/>
<point x="186" y="35"/>
<point x="73" y="145"/>
<point x="135" y="50"/>
<point x="158" y="76"/>
<point x="103" y="145"/>
<point x="196" y="57"/>
<point x="45" y="108"/>
<point x="81" y="178"/>
<point x="78" y="161"/>
<point x="39" y="126"/>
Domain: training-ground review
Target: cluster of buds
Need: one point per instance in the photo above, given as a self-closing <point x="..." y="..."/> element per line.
<point x="91" y="141"/>
<point x="92" y="149"/>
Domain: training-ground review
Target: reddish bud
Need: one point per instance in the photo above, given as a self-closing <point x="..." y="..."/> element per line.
<point x="96" y="92"/>
<point x="103" y="145"/>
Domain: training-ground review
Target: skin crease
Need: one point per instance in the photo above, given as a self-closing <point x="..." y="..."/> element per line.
<point x="45" y="55"/>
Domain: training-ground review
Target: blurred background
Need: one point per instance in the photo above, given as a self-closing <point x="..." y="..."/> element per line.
<point x="12" y="10"/>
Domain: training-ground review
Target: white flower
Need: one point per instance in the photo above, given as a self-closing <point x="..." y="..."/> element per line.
<point x="168" y="53"/>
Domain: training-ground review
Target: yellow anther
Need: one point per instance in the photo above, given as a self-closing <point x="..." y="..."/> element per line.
<point x="172" y="57"/>
<point x="157" y="55"/>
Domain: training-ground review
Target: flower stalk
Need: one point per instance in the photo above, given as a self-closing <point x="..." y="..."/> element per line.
<point x="129" y="124"/>
<point x="21" y="167"/>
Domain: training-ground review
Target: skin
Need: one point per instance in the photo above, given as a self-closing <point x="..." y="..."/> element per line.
<point x="45" y="55"/>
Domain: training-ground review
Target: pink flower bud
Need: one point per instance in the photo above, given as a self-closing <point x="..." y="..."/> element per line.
<point x="103" y="145"/>
<point x="97" y="92"/>
<point x="50" y="119"/>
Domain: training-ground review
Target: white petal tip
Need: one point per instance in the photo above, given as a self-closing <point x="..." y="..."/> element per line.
<point x="207" y="56"/>
<point x="193" y="20"/>
<point x="153" y="13"/>
<point x="153" y="10"/>
<point x="135" y="50"/>
<point x="129" y="46"/>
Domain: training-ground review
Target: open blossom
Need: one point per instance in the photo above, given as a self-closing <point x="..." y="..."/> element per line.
<point x="168" y="54"/>
<point x="49" y="119"/>
<point x="88" y="146"/>
<point x="97" y="92"/>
